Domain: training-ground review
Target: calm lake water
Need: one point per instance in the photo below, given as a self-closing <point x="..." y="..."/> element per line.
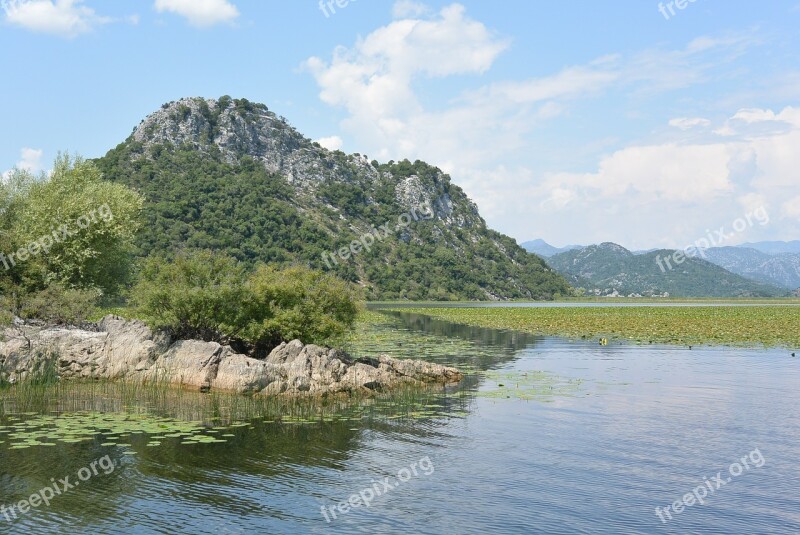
<point x="547" y="436"/>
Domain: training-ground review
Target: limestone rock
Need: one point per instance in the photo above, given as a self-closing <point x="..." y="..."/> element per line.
<point x="129" y="350"/>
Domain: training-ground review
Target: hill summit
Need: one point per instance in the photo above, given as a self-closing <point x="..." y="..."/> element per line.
<point x="230" y="175"/>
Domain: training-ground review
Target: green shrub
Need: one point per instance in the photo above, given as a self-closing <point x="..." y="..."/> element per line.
<point x="195" y="295"/>
<point x="298" y="302"/>
<point x="59" y="305"/>
<point x="211" y="297"/>
<point x="6" y="318"/>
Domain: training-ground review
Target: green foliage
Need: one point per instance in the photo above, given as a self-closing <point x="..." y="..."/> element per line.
<point x="102" y="219"/>
<point x="212" y="297"/>
<point x="59" y="305"/>
<point x="198" y="201"/>
<point x="608" y="266"/>
<point x="66" y="239"/>
<point x="297" y="302"/>
<point x="6" y="318"/>
<point x="684" y="325"/>
<point x="195" y="295"/>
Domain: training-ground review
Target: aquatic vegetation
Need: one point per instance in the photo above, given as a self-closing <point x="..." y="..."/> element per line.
<point x="45" y="414"/>
<point x="527" y="385"/>
<point x="712" y="325"/>
<point x="378" y="333"/>
<point x="111" y="429"/>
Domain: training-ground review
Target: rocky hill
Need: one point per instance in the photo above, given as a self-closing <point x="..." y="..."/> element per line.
<point x="610" y="269"/>
<point x="230" y="175"/>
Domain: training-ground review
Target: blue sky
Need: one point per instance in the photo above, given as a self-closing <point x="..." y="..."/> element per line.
<point x="576" y="122"/>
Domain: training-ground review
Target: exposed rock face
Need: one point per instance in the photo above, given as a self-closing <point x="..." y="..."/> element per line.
<point x="130" y="351"/>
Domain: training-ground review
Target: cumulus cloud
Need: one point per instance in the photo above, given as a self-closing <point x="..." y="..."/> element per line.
<point x="377" y="78"/>
<point x="200" y="13"/>
<point x="491" y="136"/>
<point x="736" y="176"/>
<point x="331" y="142"/>
<point x="30" y="160"/>
<point x="669" y="172"/>
<point x="65" y="18"/>
<point x="409" y="8"/>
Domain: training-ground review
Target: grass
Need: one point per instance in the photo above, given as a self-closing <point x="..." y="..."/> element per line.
<point x="770" y="326"/>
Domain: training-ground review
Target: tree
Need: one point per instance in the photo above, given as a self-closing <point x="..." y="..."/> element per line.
<point x="65" y="239"/>
<point x="78" y="228"/>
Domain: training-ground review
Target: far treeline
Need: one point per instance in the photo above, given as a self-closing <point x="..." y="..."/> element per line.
<point x="67" y="243"/>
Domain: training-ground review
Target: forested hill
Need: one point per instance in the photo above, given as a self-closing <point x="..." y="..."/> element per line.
<point x="230" y="175"/>
<point x="610" y="269"/>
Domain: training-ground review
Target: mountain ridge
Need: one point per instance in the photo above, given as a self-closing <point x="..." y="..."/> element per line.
<point x="230" y="175"/>
<point x="544" y="249"/>
<point x="755" y="263"/>
<point x="608" y="269"/>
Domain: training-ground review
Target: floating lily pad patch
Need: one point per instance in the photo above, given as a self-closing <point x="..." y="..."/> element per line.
<point x="112" y="429"/>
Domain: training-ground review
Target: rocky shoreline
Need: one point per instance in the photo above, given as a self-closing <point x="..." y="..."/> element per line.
<point x="128" y="350"/>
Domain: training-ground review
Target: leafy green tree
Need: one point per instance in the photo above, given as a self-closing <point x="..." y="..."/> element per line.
<point x="65" y="239"/>
<point x="82" y="226"/>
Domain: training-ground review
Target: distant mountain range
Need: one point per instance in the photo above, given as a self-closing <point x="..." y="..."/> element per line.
<point x="545" y="250"/>
<point x="609" y="269"/>
<point x="780" y="269"/>
<point x="774" y="247"/>
<point x="774" y="263"/>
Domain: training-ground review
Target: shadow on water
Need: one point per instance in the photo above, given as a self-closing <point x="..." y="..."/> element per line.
<point x="416" y="336"/>
<point x="481" y="336"/>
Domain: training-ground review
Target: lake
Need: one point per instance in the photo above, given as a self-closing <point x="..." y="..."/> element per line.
<point x="547" y="435"/>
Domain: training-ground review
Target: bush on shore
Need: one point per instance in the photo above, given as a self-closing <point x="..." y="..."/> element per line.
<point x="210" y="296"/>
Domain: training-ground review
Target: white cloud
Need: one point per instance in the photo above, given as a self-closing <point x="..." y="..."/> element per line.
<point x="699" y="184"/>
<point x="791" y="209"/>
<point x="376" y="81"/>
<point x="687" y="123"/>
<point x="331" y="142"/>
<point x="66" y="18"/>
<point x="409" y="8"/>
<point x="491" y="136"/>
<point x="374" y="78"/>
<point x="200" y="13"/>
<point x="754" y="115"/>
<point x="30" y="160"/>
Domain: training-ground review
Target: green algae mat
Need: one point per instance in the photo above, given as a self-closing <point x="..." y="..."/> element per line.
<point x="769" y="326"/>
